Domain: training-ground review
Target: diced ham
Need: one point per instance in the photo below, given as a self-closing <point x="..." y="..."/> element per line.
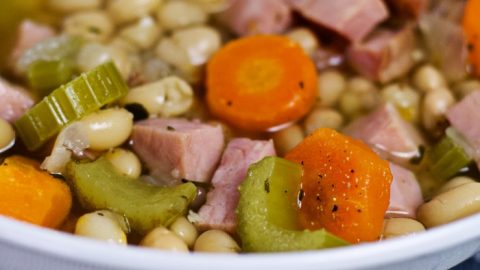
<point x="14" y="101"/>
<point x="219" y="210"/>
<point x="408" y="8"/>
<point x="248" y="17"/>
<point x="464" y="117"/>
<point x="30" y="33"/>
<point x="352" y="19"/>
<point x="176" y="149"/>
<point x="385" y="55"/>
<point x="405" y="193"/>
<point x="388" y="134"/>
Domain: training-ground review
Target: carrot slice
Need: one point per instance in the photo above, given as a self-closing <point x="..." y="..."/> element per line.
<point x="32" y="195"/>
<point x="471" y="26"/>
<point x="346" y="186"/>
<point x="260" y="82"/>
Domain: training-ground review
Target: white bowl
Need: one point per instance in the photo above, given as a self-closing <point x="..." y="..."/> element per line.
<point x="24" y="246"/>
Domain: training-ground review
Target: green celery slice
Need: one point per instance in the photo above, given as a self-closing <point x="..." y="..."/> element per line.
<point x="97" y="185"/>
<point x="56" y="48"/>
<point x="46" y="75"/>
<point x="260" y="224"/>
<point x="72" y="101"/>
<point x="448" y="156"/>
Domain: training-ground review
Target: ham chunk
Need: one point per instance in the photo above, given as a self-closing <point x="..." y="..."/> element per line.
<point x="464" y="117"/>
<point x="386" y="55"/>
<point x="176" y="149"/>
<point x="248" y="17"/>
<point x="29" y="34"/>
<point x="352" y="19"/>
<point x="408" y="8"/>
<point x="388" y="134"/>
<point x="14" y="101"/>
<point x="219" y="210"/>
<point x="405" y="193"/>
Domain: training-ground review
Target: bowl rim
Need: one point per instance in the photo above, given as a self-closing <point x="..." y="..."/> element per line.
<point x="78" y="249"/>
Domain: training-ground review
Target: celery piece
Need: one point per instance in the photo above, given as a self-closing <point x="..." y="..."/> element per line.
<point x="266" y="195"/>
<point x="44" y="75"/>
<point x="448" y="156"/>
<point x="72" y="101"/>
<point x="98" y="186"/>
<point x="56" y="48"/>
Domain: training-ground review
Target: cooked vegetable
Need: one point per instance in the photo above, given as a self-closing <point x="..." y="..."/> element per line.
<point x="185" y="230"/>
<point x="57" y="48"/>
<point x="451" y="205"/>
<point x="97" y="185"/>
<point x="471" y="27"/>
<point x="162" y="238"/>
<point x="346" y="186"/>
<point x="31" y="195"/>
<point x="260" y="82"/>
<point x="44" y="76"/>
<point x="216" y="241"/>
<point x="70" y="102"/>
<point x="395" y="227"/>
<point x="267" y="215"/>
<point x="7" y="136"/>
<point x="448" y="156"/>
<point x="125" y="162"/>
<point x="103" y="225"/>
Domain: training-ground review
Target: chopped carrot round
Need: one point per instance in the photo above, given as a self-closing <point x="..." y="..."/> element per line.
<point x="346" y="186"/>
<point x="32" y="195"/>
<point x="261" y="82"/>
<point x="471" y="26"/>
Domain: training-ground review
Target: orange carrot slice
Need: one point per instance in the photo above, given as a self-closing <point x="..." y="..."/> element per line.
<point x="260" y="82"/>
<point x="31" y="195"/>
<point x="471" y="26"/>
<point x="346" y="186"/>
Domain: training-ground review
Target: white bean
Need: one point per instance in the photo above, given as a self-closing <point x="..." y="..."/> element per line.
<point x="216" y="241"/>
<point x="179" y="14"/>
<point x="454" y="183"/>
<point x="108" y="128"/>
<point x="360" y="96"/>
<point x="189" y="46"/>
<point x="7" y="135"/>
<point x="170" y="96"/>
<point x="123" y="11"/>
<point x="144" y="33"/>
<point x="103" y="225"/>
<point x="90" y="25"/>
<point x="162" y="238"/>
<point x="126" y="162"/>
<point x="435" y="105"/>
<point x="213" y="6"/>
<point x="428" y="78"/>
<point x="331" y="85"/>
<point x="185" y="230"/>
<point x="286" y="139"/>
<point x="322" y="118"/>
<point x="450" y="205"/>
<point x="93" y="54"/>
<point x="68" y="6"/>
<point x="395" y="227"/>
<point x="404" y="98"/>
<point x="306" y="38"/>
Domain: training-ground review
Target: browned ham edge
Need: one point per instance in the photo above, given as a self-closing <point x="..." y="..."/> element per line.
<point x="405" y="193"/>
<point x="14" y="101"/>
<point x="176" y="149"/>
<point x="408" y="8"/>
<point x="249" y="17"/>
<point x="386" y="55"/>
<point x="388" y="134"/>
<point x="352" y="19"/>
<point x="219" y="210"/>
